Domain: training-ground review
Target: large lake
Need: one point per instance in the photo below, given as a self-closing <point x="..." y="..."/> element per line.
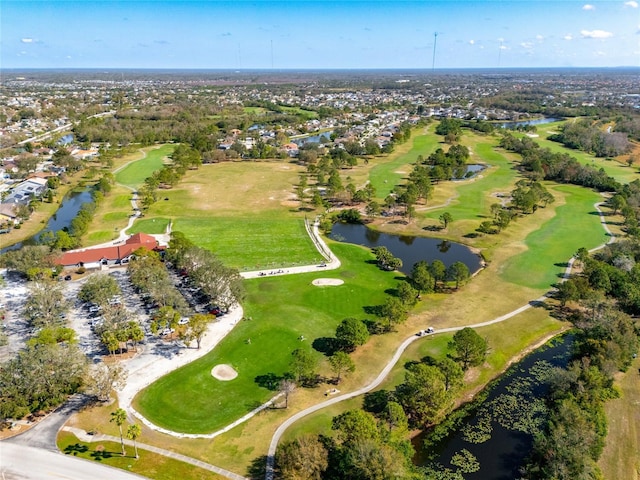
<point x="409" y="249"/>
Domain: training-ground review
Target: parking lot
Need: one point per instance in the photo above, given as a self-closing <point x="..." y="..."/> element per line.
<point x="14" y="292"/>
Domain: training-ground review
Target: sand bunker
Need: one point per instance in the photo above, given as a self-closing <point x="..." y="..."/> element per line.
<point x="321" y="282"/>
<point x="223" y="372"/>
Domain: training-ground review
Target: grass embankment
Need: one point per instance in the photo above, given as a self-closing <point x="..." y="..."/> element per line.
<point x="531" y="326"/>
<point x="620" y="458"/>
<point x="151" y="465"/>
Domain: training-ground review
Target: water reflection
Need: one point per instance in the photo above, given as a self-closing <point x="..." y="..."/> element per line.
<point x="407" y="248"/>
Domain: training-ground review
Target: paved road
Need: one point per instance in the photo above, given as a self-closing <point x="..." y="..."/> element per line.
<point x="44" y="434"/>
<point x="20" y="462"/>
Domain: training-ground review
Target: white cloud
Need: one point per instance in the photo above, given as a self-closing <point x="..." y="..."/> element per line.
<point x="539" y="38"/>
<point x="26" y="40"/>
<point x="599" y="53"/>
<point x="472" y="42"/>
<point x="503" y="47"/>
<point x="526" y="45"/>
<point x="588" y="7"/>
<point x="568" y="36"/>
<point x="631" y="3"/>
<point x="595" y="34"/>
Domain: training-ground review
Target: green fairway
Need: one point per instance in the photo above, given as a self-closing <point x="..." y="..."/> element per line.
<point x="252" y="242"/>
<point x="473" y="197"/>
<point x="281" y="310"/>
<point x="151" y="226"/>
<point x="385" y="176"/>
<point x="576" y="224"/>
<point x="134" y="174"/>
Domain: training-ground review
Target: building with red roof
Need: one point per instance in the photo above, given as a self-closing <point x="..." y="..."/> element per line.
<point x="105" y="256"/>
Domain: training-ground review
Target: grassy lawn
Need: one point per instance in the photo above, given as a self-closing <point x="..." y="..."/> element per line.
<point x="576" y="224"/>
<point x="282" y="309"/>
<point x="245" y="215"/>
<point x="133" y="174"/>
<point x="149" y="225"/>
<point x="620" y="457"/>
<point x="151" y="465"/>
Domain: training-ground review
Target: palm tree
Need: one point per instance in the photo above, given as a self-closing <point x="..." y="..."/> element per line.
<point x="133" y="432"/>
<point x="118" y="417"/>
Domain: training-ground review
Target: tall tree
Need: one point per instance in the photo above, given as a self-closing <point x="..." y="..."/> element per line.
<point x="303" y="458"/>
<point x="303" y="364"/>
<point x="470" y="347"/>
<point x="341" y="363"/>
<point x="133" y="432"/>
<point x="119" y="417"/>
<point x="458" y="272"/>
<point x="351" y="333"/>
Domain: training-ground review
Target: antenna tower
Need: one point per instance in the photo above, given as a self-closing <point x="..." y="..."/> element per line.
<point x="435" y="40"/>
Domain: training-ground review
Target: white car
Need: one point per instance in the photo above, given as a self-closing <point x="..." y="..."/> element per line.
<point x="183" y="321"/>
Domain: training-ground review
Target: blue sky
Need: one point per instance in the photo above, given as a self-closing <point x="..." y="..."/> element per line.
<point x="294" y="34"/>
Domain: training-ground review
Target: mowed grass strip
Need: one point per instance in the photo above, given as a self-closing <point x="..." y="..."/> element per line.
<point x="134" y="174"/>
<point x="150" y="464"/>
<point x="252" y="242"/>
<point x="282" y="309"/>
<point x="575" y="225"/>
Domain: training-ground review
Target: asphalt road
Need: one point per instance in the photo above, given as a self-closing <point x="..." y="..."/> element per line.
<point x="20" y="462"/>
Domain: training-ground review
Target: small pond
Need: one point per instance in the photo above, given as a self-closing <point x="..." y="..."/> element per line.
<point x="536" y="121"/>
<point x="500" y="431"/>
<point x="312" y="138"/>
<point x="409" y="249"/>
<point x="71" y="205"/>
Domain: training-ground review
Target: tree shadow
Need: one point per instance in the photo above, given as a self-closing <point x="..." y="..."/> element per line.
<point x="258" y="468"/>
<point x="326" y="345"/>
<point x="373" y="310"/>
<point x="270" y="381"/>
<point x="103" y="454"/>
<point x="562" y="264"/>
<point x="374" y="327"/>
<point x="75" y="449"/>
<point x="376" y="402"/>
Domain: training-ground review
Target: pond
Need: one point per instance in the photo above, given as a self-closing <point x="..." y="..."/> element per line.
<point x="536" y="121"/>
<point x="312" y="138"/>
<point x="409" y="249"/>
<point x="500" y="432"/>
<point x="68" y="210"/>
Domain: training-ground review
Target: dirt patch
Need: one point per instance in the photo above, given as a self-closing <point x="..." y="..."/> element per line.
<point x="223" y="372"/>
<point x="324" y="282"/>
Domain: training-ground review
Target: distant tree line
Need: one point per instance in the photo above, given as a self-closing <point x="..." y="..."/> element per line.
<point x="561" y="167"/>
<point x="589" y="137"/>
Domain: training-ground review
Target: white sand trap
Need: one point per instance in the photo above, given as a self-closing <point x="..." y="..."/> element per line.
<point x="223" y="372"/>
<point x="322" y="282"/>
